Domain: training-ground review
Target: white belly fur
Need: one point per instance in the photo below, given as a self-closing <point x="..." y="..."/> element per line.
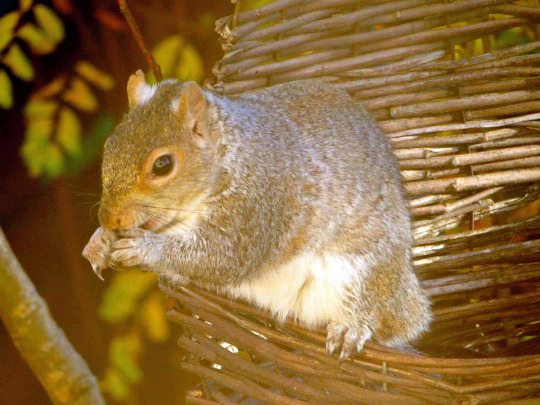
<point x="309" y="289"/>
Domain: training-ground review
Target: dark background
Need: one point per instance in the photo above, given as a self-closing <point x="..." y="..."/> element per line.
<point x="48" y="222"/>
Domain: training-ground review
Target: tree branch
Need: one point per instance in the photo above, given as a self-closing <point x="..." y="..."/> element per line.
<point x="44" y="346"/>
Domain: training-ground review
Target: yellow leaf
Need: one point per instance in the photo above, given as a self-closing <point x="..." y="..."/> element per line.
<point x="52" y="89"/>
<point x="8" y="22"/>
<point x="154" y="318"/>
<point x="122" y="297"/>
<point x="123" y="353"/>
<point x="95" y="76"/>
<point x="115" y="384"/>
<point x="68" y="132"/>
<point x="50" y="23"/>
<point x="36" y="39"/>
<point x="166" y="54"/>
<point x="6" y="90"/>
<point x="18" y="62"/>
<point x="24" y="5"/>
<point x="178" y="59"/>
<point x="39" y="130"/>
<point x="39" y="109"/>
<point x="80" y="96"/>
<point x="190" y="66"/>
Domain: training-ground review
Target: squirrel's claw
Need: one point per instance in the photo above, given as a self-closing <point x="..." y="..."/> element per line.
<point x="350" y="338"/>
<point x="98" y="270"/>
<point x="97" y="250"/>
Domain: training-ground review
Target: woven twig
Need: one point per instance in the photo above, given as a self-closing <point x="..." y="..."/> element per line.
<point x="465" y="131"/>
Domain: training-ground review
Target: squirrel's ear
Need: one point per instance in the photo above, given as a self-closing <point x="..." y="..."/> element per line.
<point x="137" y="90"/>
<point x="191" y="108"/>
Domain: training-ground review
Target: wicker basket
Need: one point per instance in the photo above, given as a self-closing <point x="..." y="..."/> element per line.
<point x="465" y="132"/>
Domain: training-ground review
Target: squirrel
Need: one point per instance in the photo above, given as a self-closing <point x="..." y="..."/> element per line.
<point x="288" y="197"/>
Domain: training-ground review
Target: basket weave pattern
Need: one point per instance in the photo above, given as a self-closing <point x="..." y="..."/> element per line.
<point x="465" y="130"/>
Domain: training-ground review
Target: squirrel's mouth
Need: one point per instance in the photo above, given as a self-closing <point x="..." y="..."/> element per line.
<point x="159" y="223"/>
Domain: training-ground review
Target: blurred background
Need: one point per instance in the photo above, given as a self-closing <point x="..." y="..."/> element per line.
<point x="63" y="70"/>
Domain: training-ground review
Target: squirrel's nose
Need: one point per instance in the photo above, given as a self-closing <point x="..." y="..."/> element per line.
<point x="114" y="218"/>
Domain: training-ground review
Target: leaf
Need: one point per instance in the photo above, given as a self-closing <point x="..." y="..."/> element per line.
<point x="178" y="59"/>
<point x="18" y="63"/>
<point x="123" y="354"/>
<point x="122" y="295"/>
<point x="24" y="5"/>
<point x="50" y="23"/>
<point x="52" y="89"/>
<point x="95" y="76"/>
<point x="40" y="155"/>
<point x="92" y="143"/>
<point x="154" y="318"/>
<point x="32" y="151"/>
<point x="80" y="96"/>
<point x="166" y="54"/>
<point x="39" y="109"/>
<point x="54" y="161"/>
<point x="191" y="65"/>
<point x="115" y="384"/>
<point x="8" y="22"/>
<point x="111" y="20"/>
<point x="252" y="4"/>
<point x="68" y="132"/>
<point x="36" y="38"/>
<point x="6" y="90"/>
<point x="39" y="131"/>
<point x="63" y="6"/>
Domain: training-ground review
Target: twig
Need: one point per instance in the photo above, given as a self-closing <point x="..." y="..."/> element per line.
<point x="44" y="346"/>
<point x="139" y="39"/>
<point x="467" y="125"/>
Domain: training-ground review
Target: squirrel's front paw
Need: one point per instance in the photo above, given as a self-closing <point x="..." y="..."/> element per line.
<point x="136" y="247"/>
<point x="349" y="337"/>
<point x="98" y="249"/>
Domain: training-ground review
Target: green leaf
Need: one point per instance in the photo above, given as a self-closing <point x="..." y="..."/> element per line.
<point x="18" y="63"/>
<point x="123" y="354"/>
<point x="36" y="38"/>
<point x="154" y="318"/>
<point x="123" y="294"/>
<point x="80" y="95"/>
<point x="68" y="132"/>
<point x="49" y="22"/>
<point x="39" y="109"/>
<point x="6" y="90"/>
<point x="41" y="157"/>
<point x="54" y="161"/>
<point x="95" y="76"/>
<point x="92" y="143"/>
<point x="24" y="5"/>
<point x="8" y="22"/>
<point x="177" y="59"/>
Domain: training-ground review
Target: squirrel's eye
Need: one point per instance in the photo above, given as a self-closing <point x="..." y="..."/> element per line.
<point x="163" y="165"/>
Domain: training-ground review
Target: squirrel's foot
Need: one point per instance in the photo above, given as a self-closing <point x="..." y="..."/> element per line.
<point x="136" y="247"/>
<point x="349" y="338"/>
<point x="97" y="250"/>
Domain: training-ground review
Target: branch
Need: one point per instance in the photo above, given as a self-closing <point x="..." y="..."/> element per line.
<point x="44" y="346"/>
<point x="140" y="40"/>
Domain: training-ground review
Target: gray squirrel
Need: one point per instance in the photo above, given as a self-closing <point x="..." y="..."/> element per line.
<point x="288" y="197"/>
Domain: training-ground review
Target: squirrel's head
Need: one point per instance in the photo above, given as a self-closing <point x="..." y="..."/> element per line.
<point x="159" y="163"/>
